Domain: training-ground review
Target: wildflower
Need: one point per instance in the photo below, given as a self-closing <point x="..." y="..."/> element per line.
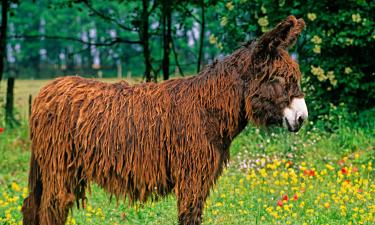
<point x="327" y="205"/>
<point x="285" y="198"/>
<point x="280" y="203"/>
<point x="310" y="173"/>
<point x="319" y="72"/>
<point x="356" y="18"/>
<point x="317" y="49"/>
<point x="331" y="77"/>
<point x="310" y="211"/>
<point x="330" y="167"/>
<point x="212" y="39"/>
<point x="263" y="21"/>
<point x="223" y="21"/>
<point x="220" y="46"/>
<point x="15" y="187"/>
<point x="295" y="197"/>
<point x="341" y="162"/>
<point x="311" y="16"/>
<point x="230" y="6"/>
<point x="344" y="170"/>
<point x="219" y="204"/>
<point x="1" y="130"/>
<point x="349" y="41"/>
<point x="316" y="40"/>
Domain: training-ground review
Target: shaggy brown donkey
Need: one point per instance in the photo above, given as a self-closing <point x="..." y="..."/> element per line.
<point x="148" y="140"/>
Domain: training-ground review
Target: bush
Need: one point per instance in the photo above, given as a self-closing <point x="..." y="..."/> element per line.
<point x="334" y="51"/>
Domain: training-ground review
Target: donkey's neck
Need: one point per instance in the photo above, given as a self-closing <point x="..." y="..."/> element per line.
<point x="224" y="89"/>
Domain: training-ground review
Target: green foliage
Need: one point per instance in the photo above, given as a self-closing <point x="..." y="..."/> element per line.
<point x="335" y="51"/>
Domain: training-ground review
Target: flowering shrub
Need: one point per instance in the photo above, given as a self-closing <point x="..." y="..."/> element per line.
<point x="334" y="52"/>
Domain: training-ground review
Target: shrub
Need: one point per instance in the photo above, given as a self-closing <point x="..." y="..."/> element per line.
<point x="334" y="52"/>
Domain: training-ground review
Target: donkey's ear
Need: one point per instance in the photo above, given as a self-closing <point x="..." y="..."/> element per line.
<point x="283" y="35"/>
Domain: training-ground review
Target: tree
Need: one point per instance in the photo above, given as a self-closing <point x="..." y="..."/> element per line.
<point x="59" y="40"/>
<point x="166" y="9"/>
<point x="3" y="34"/>
<point x="334" y="52"/>
<point x="9" y="115"/>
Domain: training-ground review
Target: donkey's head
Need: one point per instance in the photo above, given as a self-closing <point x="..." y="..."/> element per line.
<point x="275" y="96"/>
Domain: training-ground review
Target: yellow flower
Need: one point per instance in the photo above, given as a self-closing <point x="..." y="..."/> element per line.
<point x="349" y="41"/>
<point x="348" y="70"/>
<point x="333" y="82"/>
<point x="311" y="16"/>
<point x="263" y="172"/>
<point x="356" y="18"/>
<point x="330" y="167"/>
<point x="310" y="211"/>
<point x="263" y="21"/>
<point x="212" y="39"/>
<point x="15" y="187"/>
<point x="223" y="21"/>
<point x="319" y="72"/>
<point x="220" y="46"/>
<point x="316" y="40"/>
<point x="330" y="75"/>
<point x="219" y="204"/>
<point x="316" y="49"/>
<point x="230" y="6"/>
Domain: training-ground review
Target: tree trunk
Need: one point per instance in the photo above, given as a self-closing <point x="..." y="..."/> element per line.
<point x="3" y="35"/>
<point x="144" y="36"/>
<point x="9" y="117"/>
<point x="201" y="39"/>
<point x="167" y="36"/>
<point x="176" y="58"/>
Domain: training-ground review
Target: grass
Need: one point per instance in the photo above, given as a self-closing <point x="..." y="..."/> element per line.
<point x="274" y="177"/>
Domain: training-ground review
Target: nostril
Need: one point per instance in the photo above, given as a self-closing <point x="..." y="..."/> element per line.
<point x="300" y="120"/>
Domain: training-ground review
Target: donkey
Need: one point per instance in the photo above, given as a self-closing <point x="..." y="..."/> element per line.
<point x="145" y="141"/>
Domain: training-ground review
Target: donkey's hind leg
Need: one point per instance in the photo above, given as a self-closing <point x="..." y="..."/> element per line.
<point x="55" y="205"/>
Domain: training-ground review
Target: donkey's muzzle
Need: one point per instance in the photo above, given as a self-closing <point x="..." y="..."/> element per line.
<point x="295" y="114"/>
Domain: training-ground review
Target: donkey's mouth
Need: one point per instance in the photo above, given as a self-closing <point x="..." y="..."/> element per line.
<point x="291" y="128"/>
<point x="295" y="114"/>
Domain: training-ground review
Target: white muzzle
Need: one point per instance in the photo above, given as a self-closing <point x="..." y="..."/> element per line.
<point x="295" y="114"/>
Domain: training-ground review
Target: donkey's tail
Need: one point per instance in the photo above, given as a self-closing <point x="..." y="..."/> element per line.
<point x="31" y="204"/>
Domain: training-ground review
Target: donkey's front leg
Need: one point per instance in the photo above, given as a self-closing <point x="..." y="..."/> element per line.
<point x="190" y="202"/>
